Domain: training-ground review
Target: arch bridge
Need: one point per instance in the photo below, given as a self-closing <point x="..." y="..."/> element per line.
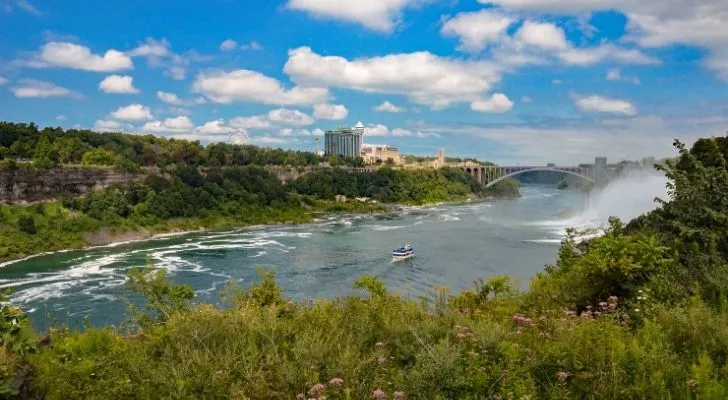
<point x="490" y="175"/>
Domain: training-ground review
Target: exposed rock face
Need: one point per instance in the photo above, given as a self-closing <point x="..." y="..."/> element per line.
<point x="22" y="185"/>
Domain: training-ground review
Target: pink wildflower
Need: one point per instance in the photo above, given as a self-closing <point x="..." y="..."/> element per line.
<point x="336" y="382"/>
<point x="316" y="390"/>
<point x="398" y="395"/>
<point x="603" y="304"/>
<point x="586" y="314"/>
<point x="561" y="376"/>
<point x="521" y="319"/>
<point x="379" y="394"/>
<point x="300" y="396"/>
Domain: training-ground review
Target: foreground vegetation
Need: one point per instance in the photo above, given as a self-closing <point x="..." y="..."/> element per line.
<point x="640" y="312"/>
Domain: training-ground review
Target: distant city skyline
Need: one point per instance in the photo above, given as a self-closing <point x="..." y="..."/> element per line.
<point x="509" y="81"/>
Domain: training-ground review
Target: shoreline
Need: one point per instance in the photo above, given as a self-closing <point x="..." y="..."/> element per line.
<point x="106" y="238"/>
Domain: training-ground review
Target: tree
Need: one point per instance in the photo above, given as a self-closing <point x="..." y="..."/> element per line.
<point x="26" y="223"/>
<point x="98" y="157"/>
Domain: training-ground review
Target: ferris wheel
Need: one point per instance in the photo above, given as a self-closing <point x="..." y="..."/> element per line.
<point x="239" y="136"/>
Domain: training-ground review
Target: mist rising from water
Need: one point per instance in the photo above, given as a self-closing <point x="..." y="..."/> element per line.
<point x="627" y="197"/>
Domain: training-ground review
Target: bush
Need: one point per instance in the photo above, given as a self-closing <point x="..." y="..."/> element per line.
<point x="26" y="223"/>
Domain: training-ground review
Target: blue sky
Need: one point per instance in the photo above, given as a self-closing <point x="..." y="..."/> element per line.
<point x="513" y="81"/>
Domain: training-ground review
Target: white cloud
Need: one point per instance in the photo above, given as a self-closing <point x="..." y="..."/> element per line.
<point x="497" y="103"/>
<point x="133" y="112"/>
<point x="108" y="126"/>
<point x="61" y="118"/>
<point x="376" y="130"/>
<point x="254" y="122"/>
<point x="318" y="132"/>
<point x="215" y="127"/>
<point x="251" y="46"/>
<point x="388" y="107"/>
<point x="3" y="80"/>
<point x="545" y="36"/>
<point x="71" y="55"/>
<point x="526" y="100"/>
<point x="26" y="6"/>
<point x="335" y="112"/>
<point x="284" y="116"/>
<point x="599" y="104"/>
<point x="294" y="132"/>
<point x="170" y="125"/>
<point x="228" y="45"/>
<point x="251" y="86"/>
<point x="615" y="75"/>
<point x="151" y="48"/>
<point x="169" y="98"/>
<point x="424" y="77"/>
<point x="159" y="54"/>
<point x="408" y="133"/>
<point x="377" y="15"/>
<point x="652" y="23"/>
<point x="32" y="88"/>
<point x="557" y="82"/>
<point x="477" y="29"/>
<point x="118" y="84"/>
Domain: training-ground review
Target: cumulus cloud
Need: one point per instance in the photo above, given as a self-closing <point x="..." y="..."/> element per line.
<point x="652" y="23"/>
<point x="422" y="76"/>
<point x="133" y="112"/>
<point x="228" y="45"/>
<point x="376" y="130"/>
<point x="599" y="104"/>
<point x="169" y="98"/>
<point x="61" y="118"/>
<point x="497" y="103"/>
<point x="388" y="107"/>
<point x="335" y="112"/>
<point x="75" y="56"/>
<point x="377" y="15"/>
<point x="252" y="86"/>
<point x="159" y="54"/>
<point x="545" y="36"/>
<point x="215" y="127"/>
<point x="254" y="122"/>
<point x="283" y="116"/>
<point x="109" y="126"/>
<point x="253" y="45"/>
<point x="3" y="80"/>
<point x="170" y="125"/>
<point x="33" y="88"/>
<point x="615" y="75"/>
<point x="476" y="29"/>
<point x="118" y="84"/>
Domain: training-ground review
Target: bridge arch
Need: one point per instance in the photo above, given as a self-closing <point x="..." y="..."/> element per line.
<point x="548" y="169"/>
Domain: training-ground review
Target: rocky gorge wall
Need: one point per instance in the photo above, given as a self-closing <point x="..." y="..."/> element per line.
<point x="24" y="185"/>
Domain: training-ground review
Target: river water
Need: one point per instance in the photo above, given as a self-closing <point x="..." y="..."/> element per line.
<point x="455" y="245"/>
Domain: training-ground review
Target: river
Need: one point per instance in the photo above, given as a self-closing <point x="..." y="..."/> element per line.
<point x="455" y="245"/>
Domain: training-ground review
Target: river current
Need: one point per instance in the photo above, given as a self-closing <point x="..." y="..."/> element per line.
<point x="454" y="244"/>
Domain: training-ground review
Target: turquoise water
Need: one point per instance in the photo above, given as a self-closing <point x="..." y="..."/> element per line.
<point x="454" y="244"/>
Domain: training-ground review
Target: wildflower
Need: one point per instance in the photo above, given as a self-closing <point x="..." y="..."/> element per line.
<point x="398" y="395"/>
<point x="381" y="360"/>
<point x="597" y="313"/>
<point x="461" y="336"/>
<point x="336" y="382"/>
<point x="321" y="398"/>
<point x="603" y="304"/>
<point x="561" y="376"/>
<point x="379" y="394"/>
<point x="519" y="332"/>
<point x="569" y="313"/>
<point x="316" y="389"/>
<point x="613" y="300"/>
<point x="521" y="319"/>
<point x="636" y="310"/>
<point x="693" y="383"/>
<point x="378" y="344"/>
<point x="300" y="396"/>
<point x="542" y="318"/>
<point x="586" y="314"/>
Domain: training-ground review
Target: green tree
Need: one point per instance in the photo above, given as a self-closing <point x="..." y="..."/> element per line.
<point x="26" y="223"/>
<point x="98" y="157"/>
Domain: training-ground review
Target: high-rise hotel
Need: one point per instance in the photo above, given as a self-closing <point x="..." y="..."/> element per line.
<point x="344" y="142"/>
